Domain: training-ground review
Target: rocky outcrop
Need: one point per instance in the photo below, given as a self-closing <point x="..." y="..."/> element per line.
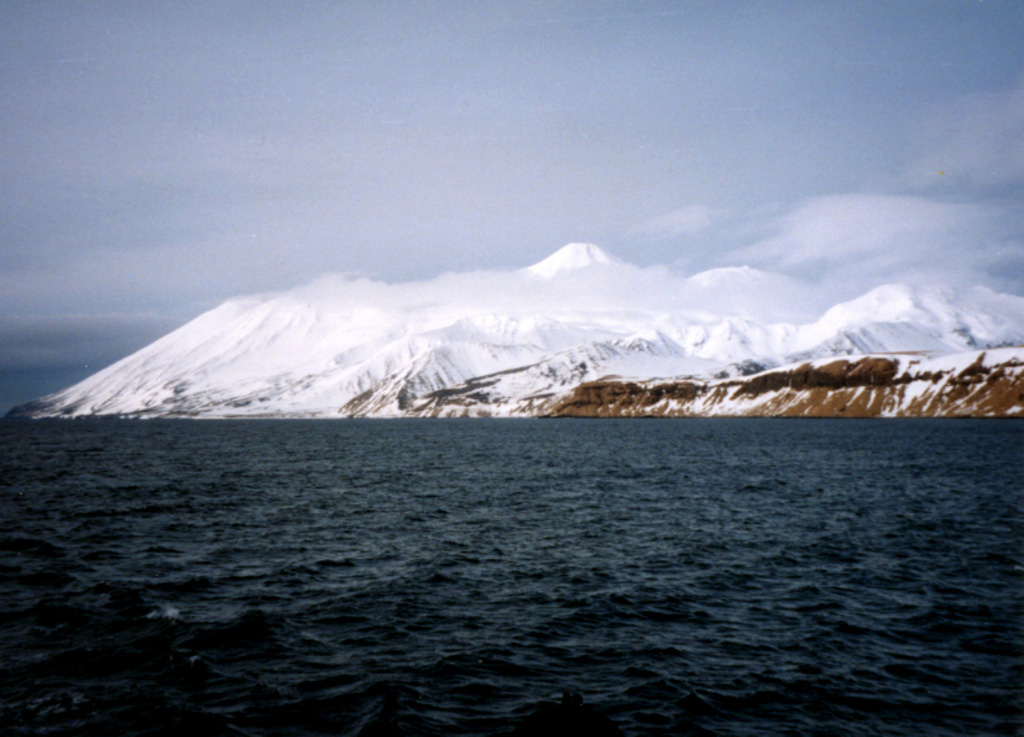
<point x="628" y="398"/>
<point x="986" y="384"/>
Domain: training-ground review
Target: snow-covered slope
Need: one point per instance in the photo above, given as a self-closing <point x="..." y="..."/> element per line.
<point x="509" y="342"/>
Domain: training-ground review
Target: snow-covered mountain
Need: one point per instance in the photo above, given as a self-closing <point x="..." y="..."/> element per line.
<point x="571" y="257"/>
<point x="510" y="342"/>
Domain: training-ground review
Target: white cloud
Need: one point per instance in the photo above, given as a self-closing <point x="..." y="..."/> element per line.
<point x="617" y="288"/>
<point x="686" y="221"/>
<point x="859" y="241"/>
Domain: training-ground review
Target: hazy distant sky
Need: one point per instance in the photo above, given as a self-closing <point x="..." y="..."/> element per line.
<point x="157" y="158"/>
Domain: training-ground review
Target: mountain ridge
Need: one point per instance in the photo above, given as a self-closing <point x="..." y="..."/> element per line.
<point x="343" y="347"/>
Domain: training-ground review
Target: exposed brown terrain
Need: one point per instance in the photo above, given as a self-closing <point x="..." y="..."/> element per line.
<point x="872" y="386"/>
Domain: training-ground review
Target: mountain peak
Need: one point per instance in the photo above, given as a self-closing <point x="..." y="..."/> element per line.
<point x="571" y="257"/>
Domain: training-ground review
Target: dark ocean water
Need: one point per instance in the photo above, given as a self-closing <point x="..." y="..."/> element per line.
<point x="726" y="577"/>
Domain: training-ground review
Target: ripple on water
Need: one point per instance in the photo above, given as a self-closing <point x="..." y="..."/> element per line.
<point x="734" y="578"/>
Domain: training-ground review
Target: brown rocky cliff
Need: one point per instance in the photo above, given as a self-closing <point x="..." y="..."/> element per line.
<point x="872" y="371"/>
<point x="867" y="387"/>
<point x="618" y="399"/>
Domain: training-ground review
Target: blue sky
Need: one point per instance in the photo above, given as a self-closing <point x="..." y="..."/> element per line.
<point x="158" y="158"/>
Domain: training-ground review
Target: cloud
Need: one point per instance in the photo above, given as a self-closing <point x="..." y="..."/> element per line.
<point x="857" y="241"/>
<point x="974" y="140"/>
<point x="612" y="289"/>
<point x="686" y="221"/>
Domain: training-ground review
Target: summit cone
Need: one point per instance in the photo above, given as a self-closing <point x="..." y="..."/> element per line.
<point x="572" y="257"/>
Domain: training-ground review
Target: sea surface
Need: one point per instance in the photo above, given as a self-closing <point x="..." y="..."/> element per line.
<point x="446" y="577"/>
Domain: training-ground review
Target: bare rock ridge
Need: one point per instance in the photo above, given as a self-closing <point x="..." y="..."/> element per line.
<point x="871" y="386"/>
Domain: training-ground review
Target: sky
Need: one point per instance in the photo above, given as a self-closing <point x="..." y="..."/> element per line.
<point x="159" y="158"/>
